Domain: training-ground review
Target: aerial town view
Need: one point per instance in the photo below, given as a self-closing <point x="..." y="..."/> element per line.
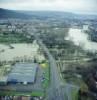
<point x="48" y="51"/>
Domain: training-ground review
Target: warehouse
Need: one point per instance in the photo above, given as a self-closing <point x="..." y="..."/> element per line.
<point x="3" y="80"/>
<point x="23" y="73"/>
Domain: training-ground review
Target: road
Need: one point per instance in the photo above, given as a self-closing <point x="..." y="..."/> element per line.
<point x="57" y="90"/>
<point x="53" y="91"/>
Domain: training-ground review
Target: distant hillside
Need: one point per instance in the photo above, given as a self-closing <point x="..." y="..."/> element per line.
<point x="49" y="14"/>
<point x="58" y="15"/>
<point x="4" y="13"/>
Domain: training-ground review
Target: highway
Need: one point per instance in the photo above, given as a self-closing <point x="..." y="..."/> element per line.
<point x="58" y="90"/>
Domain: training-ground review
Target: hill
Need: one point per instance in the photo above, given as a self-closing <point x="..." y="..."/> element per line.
<point x="5" y="13"/>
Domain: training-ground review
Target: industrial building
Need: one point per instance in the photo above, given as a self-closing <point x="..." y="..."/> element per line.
<point x="3" y="80"/>
<point x="24" y="73"/>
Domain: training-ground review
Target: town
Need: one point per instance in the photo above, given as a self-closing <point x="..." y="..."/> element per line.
<point x="48" y="58"/>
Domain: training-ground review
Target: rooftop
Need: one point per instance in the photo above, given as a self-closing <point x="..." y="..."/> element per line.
<point x="23" y="72"/>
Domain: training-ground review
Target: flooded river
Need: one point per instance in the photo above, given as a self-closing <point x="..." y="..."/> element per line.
<point x="81" y="38"/>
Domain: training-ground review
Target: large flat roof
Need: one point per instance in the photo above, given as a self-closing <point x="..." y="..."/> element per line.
<point x="23" y="72"/>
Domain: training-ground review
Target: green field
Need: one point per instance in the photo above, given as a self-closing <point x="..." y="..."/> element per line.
<point x="74" y="94"/>
<point x="46" y="76"/>
<point x="13" y="38"/>
<point x="14" y="93"/>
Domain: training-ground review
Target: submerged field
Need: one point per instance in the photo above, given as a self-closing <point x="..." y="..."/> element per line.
<point x="17" y="51"/>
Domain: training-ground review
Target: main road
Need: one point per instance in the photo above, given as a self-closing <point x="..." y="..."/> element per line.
<point x="58" y="90"/>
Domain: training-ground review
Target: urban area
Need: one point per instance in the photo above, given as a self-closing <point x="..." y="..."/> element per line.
<point x="48" y="56"/>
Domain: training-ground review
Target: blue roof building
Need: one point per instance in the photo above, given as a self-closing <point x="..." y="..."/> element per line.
<point x="23" y="73"/>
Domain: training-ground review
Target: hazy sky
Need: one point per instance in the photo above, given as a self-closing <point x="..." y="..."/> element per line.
<point x="77" y="6"/>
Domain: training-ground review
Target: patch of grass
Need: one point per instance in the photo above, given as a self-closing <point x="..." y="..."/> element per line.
<point x="14" y="38"/>
<point x="37" y="94"/>
<point x="46" y="76"/>
<point x="74" y="94"/>
<point x="14" y="93"/>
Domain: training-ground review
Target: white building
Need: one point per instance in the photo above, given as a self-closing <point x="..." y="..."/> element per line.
<point x="85" y="27"/>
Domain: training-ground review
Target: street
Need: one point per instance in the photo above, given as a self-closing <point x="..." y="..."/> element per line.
<point x="57" y="90"/>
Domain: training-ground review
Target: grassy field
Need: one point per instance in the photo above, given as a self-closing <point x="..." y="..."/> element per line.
<point x="14" y="93"/>
<point x="14" y="38"/>
<point x="46" y="75"/>
<point x="74" y="94"/>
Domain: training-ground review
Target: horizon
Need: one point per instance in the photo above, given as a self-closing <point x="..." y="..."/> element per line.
<point x="78" y="6"/>
<point x="95" y="14"/>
